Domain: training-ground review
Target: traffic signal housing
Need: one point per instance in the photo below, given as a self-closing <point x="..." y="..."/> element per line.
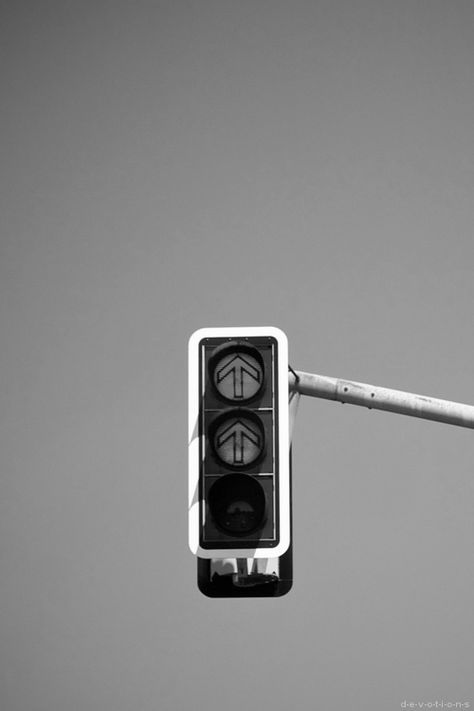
<point x="239" y="472"/>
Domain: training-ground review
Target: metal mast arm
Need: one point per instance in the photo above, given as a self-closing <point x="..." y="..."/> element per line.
<point x="377" y="398"/>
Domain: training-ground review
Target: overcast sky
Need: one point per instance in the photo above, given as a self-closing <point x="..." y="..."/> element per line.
<point x="173" y="165"/>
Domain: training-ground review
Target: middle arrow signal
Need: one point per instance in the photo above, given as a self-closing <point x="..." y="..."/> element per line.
<point x="238" y="441"/>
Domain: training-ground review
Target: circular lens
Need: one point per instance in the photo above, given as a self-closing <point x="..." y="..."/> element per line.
<point x="237" y="504"/>
<point x="237" y="438"/>
<point x="237" y="372"/>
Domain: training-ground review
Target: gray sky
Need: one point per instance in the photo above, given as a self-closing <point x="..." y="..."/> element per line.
<point x="173" y="165"/>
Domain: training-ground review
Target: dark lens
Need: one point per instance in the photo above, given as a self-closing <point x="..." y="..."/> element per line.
<point x="237" y="504"/>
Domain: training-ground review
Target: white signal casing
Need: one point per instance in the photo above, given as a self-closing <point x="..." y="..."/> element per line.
<point x="195" y="396"/>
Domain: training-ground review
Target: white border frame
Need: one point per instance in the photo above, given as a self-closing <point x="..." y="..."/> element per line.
<point x="283" y="443"/>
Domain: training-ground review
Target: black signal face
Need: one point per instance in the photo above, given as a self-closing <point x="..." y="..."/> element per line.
<point x="239" y="492"/>
<point x="239" y="459"/>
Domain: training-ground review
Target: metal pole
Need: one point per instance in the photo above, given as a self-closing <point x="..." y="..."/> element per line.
<point x="377" y="398"/>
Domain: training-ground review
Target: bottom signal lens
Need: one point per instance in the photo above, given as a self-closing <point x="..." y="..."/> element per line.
<point x="237" y="504"/>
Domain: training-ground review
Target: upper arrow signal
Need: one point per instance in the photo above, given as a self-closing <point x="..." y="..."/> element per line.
<point x="241" y="374"/>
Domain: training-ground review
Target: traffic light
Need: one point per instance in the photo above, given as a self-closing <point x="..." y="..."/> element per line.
<point x="239" y="463"/>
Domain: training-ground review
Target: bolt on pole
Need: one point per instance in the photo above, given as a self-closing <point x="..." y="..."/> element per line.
<point x="378" y="398"/>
